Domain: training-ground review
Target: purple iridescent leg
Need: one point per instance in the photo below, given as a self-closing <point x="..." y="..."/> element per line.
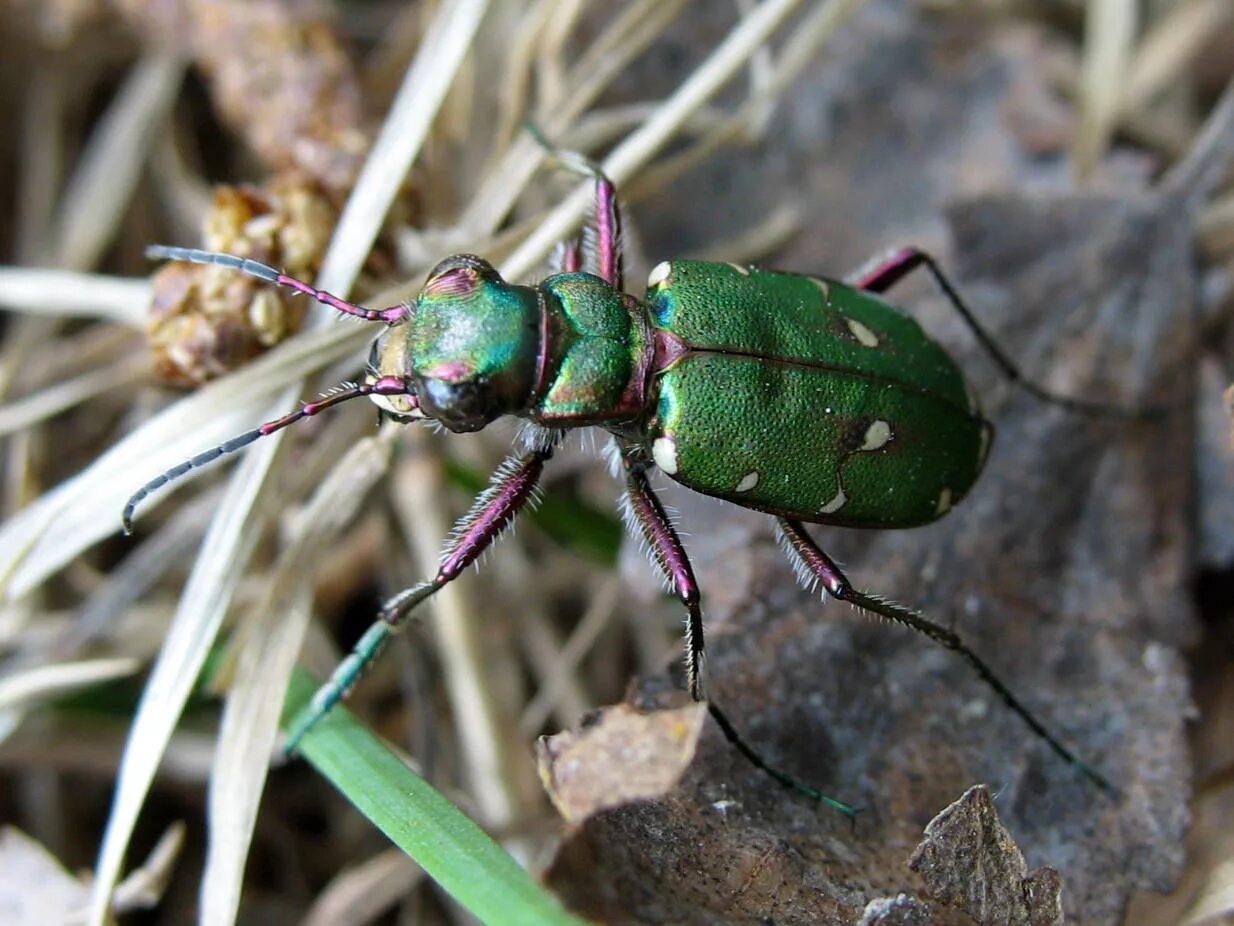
<point x="814" y="562"/>
<point x="603" y="236"/>
<point x="385" y="385"/>
<point x="881" y="274"/>
<point x="644" y="511"/>
<point x="513" y="485"/>
<point x="391" y="316"/>
<point x="607" y="229"/>
<point x="568" y="256"/>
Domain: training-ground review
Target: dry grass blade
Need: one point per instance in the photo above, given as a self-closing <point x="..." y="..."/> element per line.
<point x="193" y="631"/>
<point x="234" y="529"/>
<point x="1215" y="903"/>
<point x="64" y="394"/>
<point x="361" y="894"/>
<point x="23" y="689"/>
<point x="1170" y="46"/>
<point x="1110" y="32"/>
<point x="638" y="148"/>
<point x="103" y="183"/>
<point x="63" y="293"/>
<point x="267" y="655"/>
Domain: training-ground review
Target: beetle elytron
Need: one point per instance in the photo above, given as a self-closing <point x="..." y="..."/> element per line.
<point x="813" y="400"/>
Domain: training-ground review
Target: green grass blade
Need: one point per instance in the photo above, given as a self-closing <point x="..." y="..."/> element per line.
<point x="450" y="847"/>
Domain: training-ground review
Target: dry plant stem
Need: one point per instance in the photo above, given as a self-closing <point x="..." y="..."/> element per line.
<point x="401" y="137"/>
<point x="24" y="689"/>
<point x="563" y="670"/>
<point x="1169" y="48"/>
<point x="496" y="195"/>
<point x="1109" y="34"/>
<point x="541" y="644"/>
<point x="558" y="28"/>
<point x="65" y="294"/>
<point x="42" y="144"/>
<point x="37" y="408"/>
<point x="517" y="78"/>
<point x="800" y="49"/>
<point x="106" y="175"/>
<point x="640" y="146"/>
<point x="364" y="892"/>
<point x="268" y="646"/>
<point x="768" y="236"/>
<point x="181" y="187"/>
<point x="233" y="531"/>
<point x="144" y="886"/>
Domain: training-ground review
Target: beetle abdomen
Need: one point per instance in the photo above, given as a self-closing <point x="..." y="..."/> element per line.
<point x="809" y="399"/>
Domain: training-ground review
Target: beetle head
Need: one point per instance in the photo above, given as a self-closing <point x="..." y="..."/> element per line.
<point x="470" y="347"/>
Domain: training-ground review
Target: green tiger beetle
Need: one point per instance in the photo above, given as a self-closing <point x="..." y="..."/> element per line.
<point x="811" y="399"/>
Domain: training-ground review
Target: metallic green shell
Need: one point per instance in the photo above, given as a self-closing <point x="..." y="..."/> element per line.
<point x="807" y="398"/>
<point x="596" y="343"/>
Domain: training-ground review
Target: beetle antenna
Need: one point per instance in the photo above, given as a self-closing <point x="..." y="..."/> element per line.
<point x="391" y="316"/>
<point x="386" y="385"/>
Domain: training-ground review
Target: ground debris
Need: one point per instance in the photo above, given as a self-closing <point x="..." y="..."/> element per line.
<point x="970" y="861"/>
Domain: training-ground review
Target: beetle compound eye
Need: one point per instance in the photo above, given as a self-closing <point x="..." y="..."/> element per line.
<point x="465" y="406"/>
<point x="374" y="359"/>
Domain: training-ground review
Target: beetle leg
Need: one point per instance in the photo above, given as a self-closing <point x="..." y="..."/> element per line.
<point x="814" y="563"/>
<point x="881" y="274"/>
<point x="603" y="236"/>
<point x="567" y="256"/>
<point x="512" y="487"/>
<point x="643" y="511"/>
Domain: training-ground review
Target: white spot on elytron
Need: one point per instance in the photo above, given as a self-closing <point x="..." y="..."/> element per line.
<point x="664" y="452"/>
<point x="877" y="436"/>
<point x="973" y="407"/>
<point x="748" y="481"/>
<point x="944" y="501"/>
<point x="836" y="503"/>
<point x="823" y="287"/>
<point x="744" y="271"/>
<point x="863" y="334"/>
<point x="659" y="273"/>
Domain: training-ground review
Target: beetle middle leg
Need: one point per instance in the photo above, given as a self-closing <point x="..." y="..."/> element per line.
<point x="512" y="487"/>
<point x="644" y="511"/>
<point x="802" y="549"/>
<point x="881" y="274"/>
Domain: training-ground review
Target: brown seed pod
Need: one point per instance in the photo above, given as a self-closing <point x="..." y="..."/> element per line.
<point x="205" y="321"/>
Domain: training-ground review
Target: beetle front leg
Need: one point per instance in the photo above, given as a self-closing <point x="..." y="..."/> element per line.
<point x="814" y="563"/>
<point x="643" y="511"/>
<point x="512" y="486"/>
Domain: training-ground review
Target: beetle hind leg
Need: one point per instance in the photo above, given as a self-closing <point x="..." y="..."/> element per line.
<point x="812" y="563"/>
<point x="880" y="274"/>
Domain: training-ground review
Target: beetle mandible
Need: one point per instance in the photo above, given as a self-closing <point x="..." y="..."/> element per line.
<point x="874" y="424"/>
